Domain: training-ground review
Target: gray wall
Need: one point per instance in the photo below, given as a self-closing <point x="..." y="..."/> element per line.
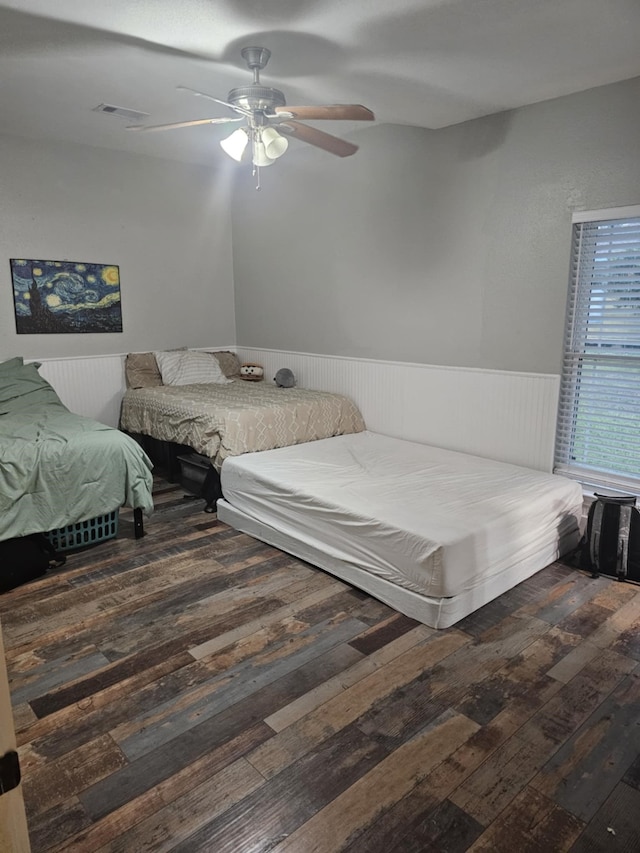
<point x="166" y="224"/>
<point x="439" y="247"/>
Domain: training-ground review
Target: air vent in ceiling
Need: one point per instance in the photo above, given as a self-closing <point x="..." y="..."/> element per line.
<point x="131" y="115"/>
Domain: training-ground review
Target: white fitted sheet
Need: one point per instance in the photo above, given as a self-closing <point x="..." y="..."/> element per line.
<point x="432" y="521"/>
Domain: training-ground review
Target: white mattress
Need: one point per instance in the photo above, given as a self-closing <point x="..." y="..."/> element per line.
<point x="432" y="521"/>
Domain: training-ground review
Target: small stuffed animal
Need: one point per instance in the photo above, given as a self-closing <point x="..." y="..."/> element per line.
<point x="284" y="378"/>
<point x="251" y="372"/>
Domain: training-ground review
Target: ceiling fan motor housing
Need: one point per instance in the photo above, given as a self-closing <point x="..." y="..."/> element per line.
<point x="256" y="97"/>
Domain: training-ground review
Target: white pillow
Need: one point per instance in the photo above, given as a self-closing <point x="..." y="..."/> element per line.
<point x="190" y="368"/>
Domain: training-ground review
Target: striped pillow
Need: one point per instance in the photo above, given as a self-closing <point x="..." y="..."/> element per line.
<point x="190" y="368"/>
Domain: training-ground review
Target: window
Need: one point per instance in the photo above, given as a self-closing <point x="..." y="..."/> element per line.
<point x="598" y="434"/>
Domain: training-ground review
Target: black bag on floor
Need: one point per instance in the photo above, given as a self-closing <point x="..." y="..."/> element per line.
<point x="25" y="559"/>
<point x="611" y="544"/>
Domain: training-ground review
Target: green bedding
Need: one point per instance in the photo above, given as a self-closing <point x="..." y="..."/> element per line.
<point x="58" y="468"/>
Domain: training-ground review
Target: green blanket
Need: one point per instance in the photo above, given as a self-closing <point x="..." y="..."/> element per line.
<point x="58" y="468"/>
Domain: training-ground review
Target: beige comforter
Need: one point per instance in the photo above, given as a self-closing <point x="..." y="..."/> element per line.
<point x="242" y="417"/>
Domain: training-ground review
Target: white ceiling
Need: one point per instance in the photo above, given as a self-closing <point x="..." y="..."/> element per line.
<point x="429" y="63"/>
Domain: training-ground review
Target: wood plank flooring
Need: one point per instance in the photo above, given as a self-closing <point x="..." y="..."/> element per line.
<point x="197" y="690"/>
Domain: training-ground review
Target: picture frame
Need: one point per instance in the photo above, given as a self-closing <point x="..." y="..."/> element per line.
<point x="65" y="297"/>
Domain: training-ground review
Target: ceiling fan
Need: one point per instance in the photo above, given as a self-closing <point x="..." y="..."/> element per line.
<point x="268" y="121"/>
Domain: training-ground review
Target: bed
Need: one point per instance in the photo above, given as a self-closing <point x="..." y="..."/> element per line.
<point x="58" y="468"/>
<point x="197" y="400"/>
<point x="431" y="532"/>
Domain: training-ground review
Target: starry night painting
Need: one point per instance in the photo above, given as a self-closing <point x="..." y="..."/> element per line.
<point x="58" y="297"/>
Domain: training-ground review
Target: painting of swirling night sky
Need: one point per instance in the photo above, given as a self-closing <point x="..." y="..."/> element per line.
<point x="58" y="297"/>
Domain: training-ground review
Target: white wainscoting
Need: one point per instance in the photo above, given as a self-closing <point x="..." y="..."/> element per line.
<point x="91" y="386"/>
<point x="497" y="414"/>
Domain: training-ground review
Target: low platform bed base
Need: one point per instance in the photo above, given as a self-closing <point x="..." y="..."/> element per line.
<point x="165" y="456"/>
<point x="435" y="612"/>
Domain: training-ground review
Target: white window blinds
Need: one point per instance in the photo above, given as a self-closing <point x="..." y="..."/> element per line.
<point x="598" y="434"/>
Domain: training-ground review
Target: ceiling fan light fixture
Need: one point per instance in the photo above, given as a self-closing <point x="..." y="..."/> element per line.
<point x="260" y="157"/>
<point x="274" y="144"/>
<point x="235" y="144"/>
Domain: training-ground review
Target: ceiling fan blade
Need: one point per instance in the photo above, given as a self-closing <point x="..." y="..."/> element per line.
<point x="182" y="124"/>
<point x="217" y="100"/>
<point x="352" y="112"/>
<point x="332" y="144"/>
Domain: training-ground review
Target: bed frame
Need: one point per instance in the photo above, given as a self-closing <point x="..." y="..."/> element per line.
<point x="165" y="456"/>
<point x="435" y="612"/>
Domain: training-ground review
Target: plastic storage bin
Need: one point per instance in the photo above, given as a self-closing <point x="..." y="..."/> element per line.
<point x="84" y="533"/>
<point x="193" y="470"/>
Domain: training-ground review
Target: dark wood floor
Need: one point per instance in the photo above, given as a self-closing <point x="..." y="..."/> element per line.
<point x="197" y="690"/>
